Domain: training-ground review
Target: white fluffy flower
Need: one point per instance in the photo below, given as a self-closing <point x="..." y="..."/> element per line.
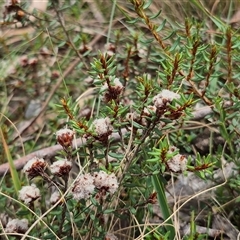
<point x="164" y="97"/>
<point x="17" y="226"/>
<point x="83" y="187"/>
<point x="177" y="163"/>
<point x="169" y="95"/>
<point x="61" y="167"/>
<point x="102" y="126"/>
<point x="55" y="197"/>
<point x="29" y="194"/>
<point x="112" y="90"/>
<point x="108" y="182"/>
<point x="65" y="137"/>
<point x="117" y="83"/>
<point x="34" y="167"/>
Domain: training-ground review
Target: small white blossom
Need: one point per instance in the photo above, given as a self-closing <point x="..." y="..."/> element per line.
<point x="61" y="167"/>
<point x="102" y="126"/>
<point x="29" y="194"/>
<point x="178" y="162"/>
<point x="169" y="95"/>
<point x="34" y="167"/>
<point x="83" y="187"/>
<point x="164" y="97"/>
<point x="17" y="226"/>
<point x="108" y="182"/>
<point x="55" y="196"/>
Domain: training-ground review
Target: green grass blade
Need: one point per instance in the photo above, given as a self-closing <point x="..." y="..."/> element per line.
<point x="163" y="204"/>
<point x="13" y="170"/>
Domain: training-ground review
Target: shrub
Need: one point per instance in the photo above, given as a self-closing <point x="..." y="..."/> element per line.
<point x="162" y="108"/>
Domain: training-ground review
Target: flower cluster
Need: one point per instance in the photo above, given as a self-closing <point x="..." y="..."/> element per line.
<point x="65" y="137"/>
<point x="61" y="167"/>
<point x="35" y="167"/>
<point x="83" y="187"/>
<point x="55" y="196"/>
<point x="28" y="194"/>
<point x="160" y="105"/>
<point x="112" y="91"/>
<point x="86" y="184"/>
<point x="164" y="98"/>
<point x="108" y="182"/>
<point x="178" y="163"/>
<point x="110" y="236"/>
<point x="102" y="128"/>
<point x="17" y="226"/>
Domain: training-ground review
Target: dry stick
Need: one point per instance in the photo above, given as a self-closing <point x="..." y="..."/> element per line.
<point x="52" y="151"/>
